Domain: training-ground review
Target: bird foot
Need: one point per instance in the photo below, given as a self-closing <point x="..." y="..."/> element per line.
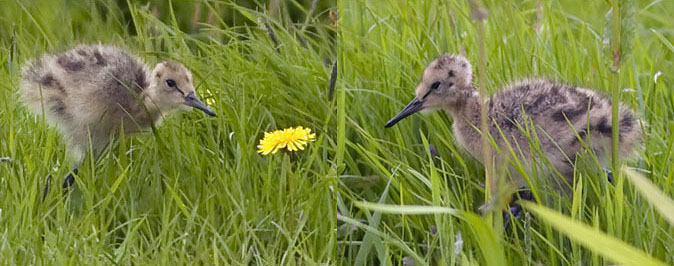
<point x="47" y="185"/>
<point x="515" y="210"/>
<point x="609" y="175"/>
<point x="69" y="180"/>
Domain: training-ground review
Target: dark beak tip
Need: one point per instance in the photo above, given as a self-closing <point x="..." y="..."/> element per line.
<point x="206" y="110"/>
<point x="413" y="107"/>
<point x="194" y="102"/>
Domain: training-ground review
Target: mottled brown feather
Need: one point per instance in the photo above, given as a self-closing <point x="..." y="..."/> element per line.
<point x="556" y="109"/>
<point x="98" y="90"/>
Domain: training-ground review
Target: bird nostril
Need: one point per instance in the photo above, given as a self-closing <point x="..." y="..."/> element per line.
<point x="191" y="96"/>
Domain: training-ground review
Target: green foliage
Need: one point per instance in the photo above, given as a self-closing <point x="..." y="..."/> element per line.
<point x="595" y="240"/>
<point x="196" y="192"/>
<point x="606" y="245"/>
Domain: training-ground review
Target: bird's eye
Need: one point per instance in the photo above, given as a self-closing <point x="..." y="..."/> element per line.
<point x="171" y="83"/>
<point x="435" y="85"/>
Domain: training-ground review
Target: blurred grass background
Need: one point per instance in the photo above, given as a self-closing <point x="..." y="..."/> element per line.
<point x="384" y="48"/>
<point x="197" y="192"/>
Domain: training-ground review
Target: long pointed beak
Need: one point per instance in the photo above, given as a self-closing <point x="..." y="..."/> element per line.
<point x="414" y="106"/>
<point x="192" y="100"/>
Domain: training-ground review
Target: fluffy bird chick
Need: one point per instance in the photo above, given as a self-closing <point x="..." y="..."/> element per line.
<point x="564" y="116"/>
<point x="92" y="92"/>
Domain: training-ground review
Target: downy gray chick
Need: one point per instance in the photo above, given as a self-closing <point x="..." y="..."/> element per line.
<point x="93" y="91"/>
<point x="563" y="115"/>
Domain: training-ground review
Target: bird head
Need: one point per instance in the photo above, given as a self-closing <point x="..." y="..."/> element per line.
<point x="171" y="88"/>
<point x="445" y="82"/>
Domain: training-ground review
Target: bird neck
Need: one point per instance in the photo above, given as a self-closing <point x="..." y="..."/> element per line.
<point x="466" y="117"/>
<point x="151" y="110"/>
<point x="466" y="106"/>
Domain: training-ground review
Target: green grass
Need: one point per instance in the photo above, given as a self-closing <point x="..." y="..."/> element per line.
<point x="196" y="192"/>
<point x="383" y="51"/>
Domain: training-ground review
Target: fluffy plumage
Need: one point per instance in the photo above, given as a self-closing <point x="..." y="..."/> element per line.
<point x="563" y="115"/>
<point x="93" y="91"/>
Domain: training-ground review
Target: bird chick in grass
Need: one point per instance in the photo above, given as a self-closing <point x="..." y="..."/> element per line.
<point x="565" y="117"/>
<point x="92" y="92"/>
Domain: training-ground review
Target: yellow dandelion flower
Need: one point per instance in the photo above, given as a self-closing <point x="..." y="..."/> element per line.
<point x="292" y="139"/>
<point x="209" y="99"/>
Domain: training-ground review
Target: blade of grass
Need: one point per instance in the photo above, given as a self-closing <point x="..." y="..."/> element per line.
<point x="491" y="248"/>
<point x="592" y="238"/>
<point x="654" y="196"/>
<point x="370" y="238"/>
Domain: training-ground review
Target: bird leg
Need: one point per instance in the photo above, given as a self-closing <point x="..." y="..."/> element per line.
<point x="45" y="190"/>
<point x="69" y="180"/>
<point x="516" y="208"/>
<point x="609" y="175"/>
